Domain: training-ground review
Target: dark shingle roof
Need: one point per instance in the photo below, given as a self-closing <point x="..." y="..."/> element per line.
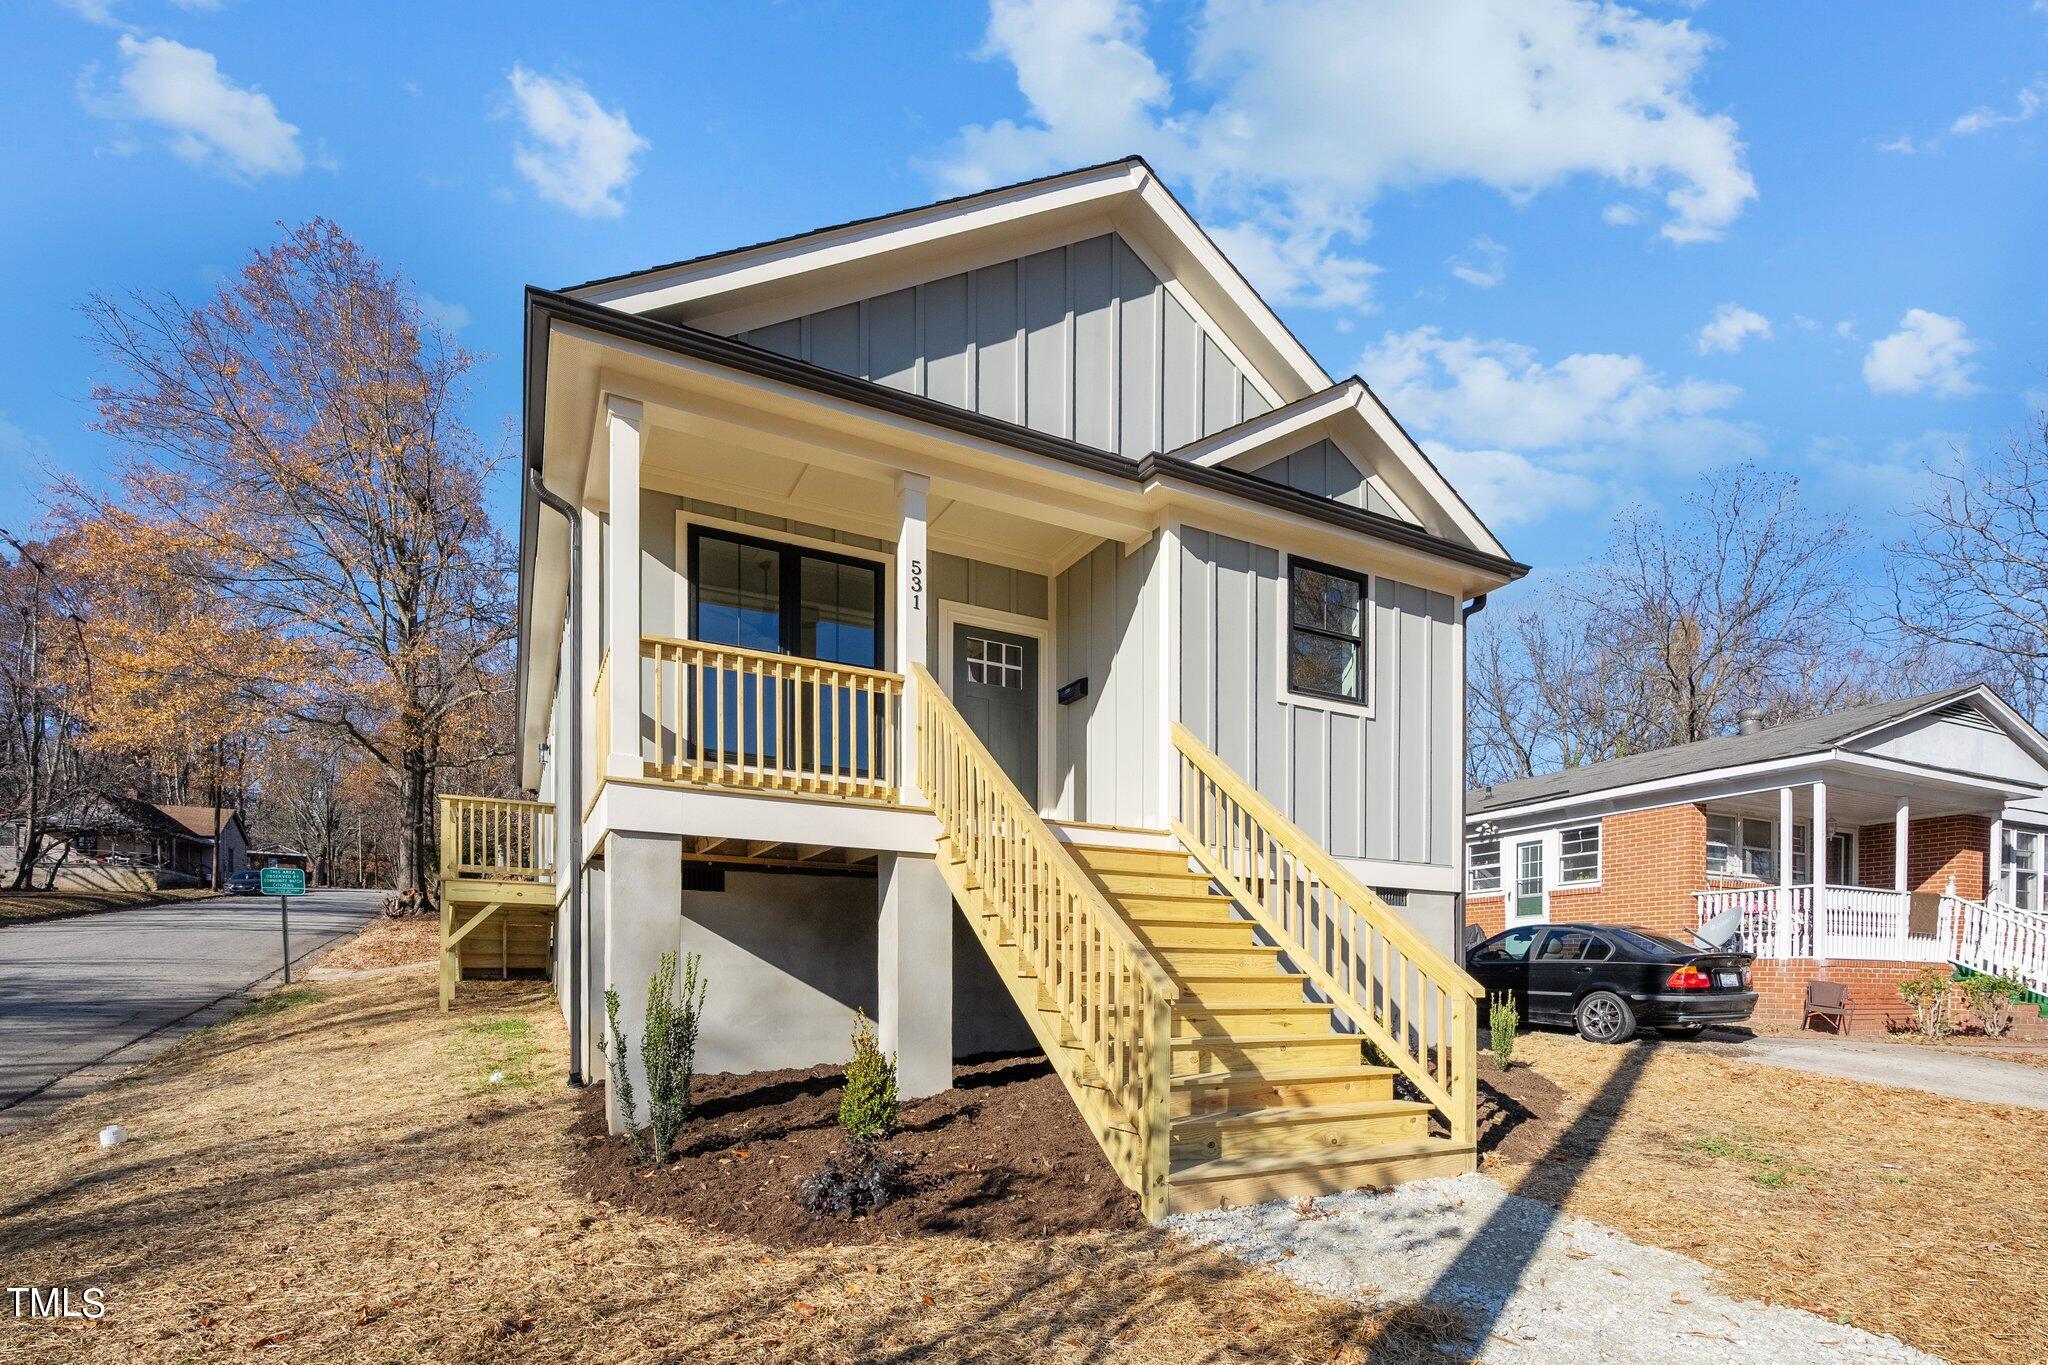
<point x="1788" y="740"/>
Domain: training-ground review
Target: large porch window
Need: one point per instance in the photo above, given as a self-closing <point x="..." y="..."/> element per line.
<point x="777" y="598"/>
<point x="1745" y="846"/>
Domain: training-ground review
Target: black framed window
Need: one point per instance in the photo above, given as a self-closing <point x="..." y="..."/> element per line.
<point x="778" y="598"/>
<point x="1326" y="621"/>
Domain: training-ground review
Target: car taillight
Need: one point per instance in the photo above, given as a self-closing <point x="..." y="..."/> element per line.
<point x="1688" y="978"/>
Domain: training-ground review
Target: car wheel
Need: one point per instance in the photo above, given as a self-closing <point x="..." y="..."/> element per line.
<point x="1604" y="1017"/>
<point x="1684" y="1030"/>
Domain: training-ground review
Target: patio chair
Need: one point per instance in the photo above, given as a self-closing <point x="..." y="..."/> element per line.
<point x="1828" y="1000"/>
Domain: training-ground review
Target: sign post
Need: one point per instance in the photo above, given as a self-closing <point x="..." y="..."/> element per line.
<point x="284" y="883"/>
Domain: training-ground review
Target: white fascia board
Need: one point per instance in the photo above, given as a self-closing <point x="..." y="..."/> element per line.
<point x="696" y="286"/>
<point x="1428" y="481"/>
<point x="1241" y="446"/>
<point x="1748" y="779"/>
<point x="2016" y="726"/>
<point x="656" y="808"/>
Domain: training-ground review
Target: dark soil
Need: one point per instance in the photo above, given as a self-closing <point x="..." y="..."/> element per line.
<point x="1001" y="1156"/>
<point x="1518" y="1112"/>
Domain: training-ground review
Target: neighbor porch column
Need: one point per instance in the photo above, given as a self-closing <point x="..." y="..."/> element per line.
<point x="913" y="628"/>
<point x="1818" y="856"/>
<point x="1994" y="862"/>
<point x="622" y="586"/>
<point x="1901" y="819"/>
<point x="643" y="890"/>
<point x="1781" y="947"/>
<point x="914" y="973"/>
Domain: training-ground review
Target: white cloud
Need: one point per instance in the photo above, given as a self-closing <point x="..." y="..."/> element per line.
<point x="1905" y="144"/>
<point x="1846" y="330"/>
<point x="1984" y="118"/>
<point x="450" y="317"/>
<point x="1805" y="323"/>
<point x="1484" y="264"/>
<point x="577" y="153"/>
<point x="1730" y="326"/>
<point x="1497" y="393"/>
<point x="1311" y="109"/>
<point x="1294" y="263"/>
<point x="1929" y="353"/>
<point x="92" y="11"/>
<point x="1621" y="215"/>
<point x="212" y="121"/>
<point x="1508" y="490"/>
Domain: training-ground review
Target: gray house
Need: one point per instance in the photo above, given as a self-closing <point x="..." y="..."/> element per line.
<point x="990" y="617"/>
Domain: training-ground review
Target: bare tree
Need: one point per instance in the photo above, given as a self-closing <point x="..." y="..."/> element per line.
<point x="1971" y="581"/>
<point x="42" y="667"/>
<point x="1542" y="692"/>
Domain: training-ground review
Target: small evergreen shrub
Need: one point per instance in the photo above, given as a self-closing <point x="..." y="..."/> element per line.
<point x="869" y="1109"/>
<point x="859" y="1178"/>
<point x="669" y="1047"/>
<point x="1928" y="993"/>
<point x="1502" y="1018"/>
<point x="615" y="1055"/>
<point x="1990" y="999"/>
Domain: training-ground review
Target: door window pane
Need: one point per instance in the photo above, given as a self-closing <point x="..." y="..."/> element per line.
<point x="739" y="594"/>
<point x="1529" y="879"/>
<point x="836" y="612"/>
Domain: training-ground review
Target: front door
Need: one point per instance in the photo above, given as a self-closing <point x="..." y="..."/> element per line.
<point x="995" y="685"/>
<point x="1529" y="902"/>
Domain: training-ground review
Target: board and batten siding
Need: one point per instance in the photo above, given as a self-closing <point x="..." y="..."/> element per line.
<point x="1381" y="788"/>
<point x="992" y="587"/>
<point x="1327" y="472"/>
<point x="1082" y="341"/>
<point x="1106" y="629"/>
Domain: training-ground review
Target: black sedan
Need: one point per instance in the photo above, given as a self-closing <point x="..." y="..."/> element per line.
<point x="248" y="882"/>
<point x="1607" y="980"/>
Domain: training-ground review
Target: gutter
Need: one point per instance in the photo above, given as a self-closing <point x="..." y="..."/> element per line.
<point x="574" y="759"/>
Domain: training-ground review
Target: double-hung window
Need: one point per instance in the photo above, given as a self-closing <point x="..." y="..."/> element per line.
<point x="776" y="598"/>
<point x="1484" y="860"/>
<point x="1578" y="857"/>
<point x="1326" y="631"/>
<point x="1744" y="846"/>
<point x="2023" y="868"/>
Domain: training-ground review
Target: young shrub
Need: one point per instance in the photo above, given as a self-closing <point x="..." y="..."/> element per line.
<point x="1990" y="999"/>
<point x="869" y="1109"/>
<point x="1928" y="994"/>
<point x="669" y="1048"/>
<point x="1502" y="1018"/>
<point x="615" y="1054"/>
<point x="857" y="1179"/>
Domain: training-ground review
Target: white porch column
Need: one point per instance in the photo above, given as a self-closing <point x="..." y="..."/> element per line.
<point x="1901" y="820"/>
<point x="1781" y="947"/>
<point x="588" y="620"/>
<point x="1819" y="858"/>
<point x="622" y="586"/>
<point x="914" y="974"/>
<point x="1994" y="862"/>
<point x="913" y="622"/>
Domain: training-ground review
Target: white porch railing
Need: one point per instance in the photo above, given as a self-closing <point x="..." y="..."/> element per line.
<point x="2000" y="940"/>
<point x="1853" y="922"/>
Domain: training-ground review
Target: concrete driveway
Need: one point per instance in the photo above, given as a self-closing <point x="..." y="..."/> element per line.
<point x="1940" y="1071"/>
<point x="83" y="999"/>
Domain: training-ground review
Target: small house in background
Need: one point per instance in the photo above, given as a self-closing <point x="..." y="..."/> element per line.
<point x="111" y="841"/>
<point x="1854" y="847"/>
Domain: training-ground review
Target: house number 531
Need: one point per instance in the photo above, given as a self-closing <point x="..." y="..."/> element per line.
<point x="917" y="585"/>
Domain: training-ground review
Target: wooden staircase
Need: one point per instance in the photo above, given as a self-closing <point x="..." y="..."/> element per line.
<point x="1174" y="1003"/>
<point x="1270" y="1100"/>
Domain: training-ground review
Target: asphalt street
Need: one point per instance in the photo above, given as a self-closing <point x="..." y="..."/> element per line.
<point x="83" y="999"/>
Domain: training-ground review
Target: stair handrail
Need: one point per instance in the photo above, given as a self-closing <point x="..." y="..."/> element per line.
<point x="1251" y="853"/>
<point x="1108" y="987"/>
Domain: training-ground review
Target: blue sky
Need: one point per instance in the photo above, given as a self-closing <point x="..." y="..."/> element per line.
<point x="1584" y="252"/>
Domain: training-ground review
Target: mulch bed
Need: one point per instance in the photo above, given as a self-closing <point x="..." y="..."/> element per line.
<point x="1003" y="1156"/>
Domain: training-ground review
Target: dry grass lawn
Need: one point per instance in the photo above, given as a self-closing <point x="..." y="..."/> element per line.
<point x="332" y="1177"/>
<point x="386" y="942"/>
<point x="26" y="907"/>
<point x="1909" y="1214"/>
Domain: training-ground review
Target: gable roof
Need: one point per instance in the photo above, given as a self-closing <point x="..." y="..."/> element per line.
<point x="770" y="281"/>
<point x="1792" y="739"/>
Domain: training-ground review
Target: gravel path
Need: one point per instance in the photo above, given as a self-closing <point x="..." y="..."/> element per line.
<point x="1539" y="1285"/>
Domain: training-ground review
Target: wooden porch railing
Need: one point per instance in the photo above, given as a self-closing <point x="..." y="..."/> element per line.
<point x="731" y="717"/>
<point x="497" y="839"/>
<point x="1417" y="1006"/>
<point x="1108" y="990"/>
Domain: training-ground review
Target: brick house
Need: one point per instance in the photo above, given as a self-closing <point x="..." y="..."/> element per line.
<point x="1912" y="800"/>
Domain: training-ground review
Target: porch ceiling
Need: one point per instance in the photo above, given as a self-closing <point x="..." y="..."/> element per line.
<point x="1859" y="806"/>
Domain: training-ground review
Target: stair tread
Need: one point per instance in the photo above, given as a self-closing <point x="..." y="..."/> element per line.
<point x="1290" y="1075"/>
<point x="1231" y="1007"/>
<point x="1304" y="1113"/>
<point x="1190" y="1044"/>
<point x="1233" y="1167"/>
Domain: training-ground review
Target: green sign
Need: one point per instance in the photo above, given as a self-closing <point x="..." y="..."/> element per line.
<point x="284" y="881"/>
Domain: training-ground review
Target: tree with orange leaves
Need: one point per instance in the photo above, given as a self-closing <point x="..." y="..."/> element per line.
<point x="301" y="493"/>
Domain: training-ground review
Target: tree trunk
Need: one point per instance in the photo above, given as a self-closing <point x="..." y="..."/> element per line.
<point x="415" y="832"/>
